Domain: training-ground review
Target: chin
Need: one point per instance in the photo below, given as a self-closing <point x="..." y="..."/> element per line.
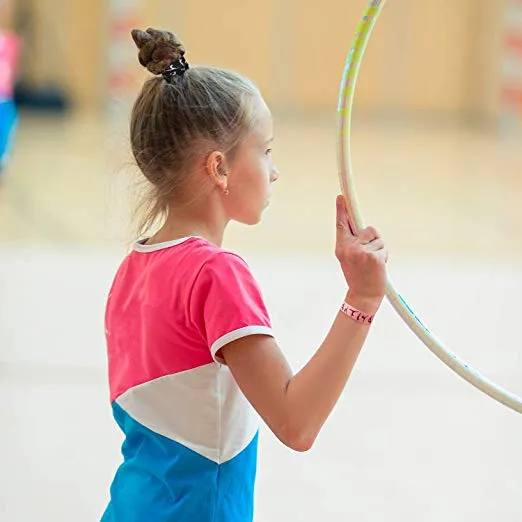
<point x="254" y="221"/>
<point x="250" y="220"/>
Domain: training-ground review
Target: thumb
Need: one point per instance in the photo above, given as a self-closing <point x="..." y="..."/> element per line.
<point x="342" y="224"/>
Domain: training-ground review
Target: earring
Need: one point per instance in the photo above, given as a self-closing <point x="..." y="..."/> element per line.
<point x="226" y="192"/>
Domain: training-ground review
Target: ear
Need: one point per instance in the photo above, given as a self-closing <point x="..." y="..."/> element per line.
<point x="217" y="169"/>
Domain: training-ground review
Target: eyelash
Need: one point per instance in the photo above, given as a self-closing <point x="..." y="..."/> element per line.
<point x="268" y="151"/>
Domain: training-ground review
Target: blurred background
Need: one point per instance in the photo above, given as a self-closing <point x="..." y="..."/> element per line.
<point x="437" y="155"/>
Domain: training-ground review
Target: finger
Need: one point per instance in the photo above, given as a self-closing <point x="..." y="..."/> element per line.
<point x="342" y="224"/>
<point x="374" y="245"/>
<point x="382" y="254"/>
<point x="367" y="235"/>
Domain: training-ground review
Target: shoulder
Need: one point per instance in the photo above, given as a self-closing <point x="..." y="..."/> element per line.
<point x="226" y="302"/>
<point x="226" y="262"/>
<point x="212" y="262"/>
<point x="225" y="266"/>
<point x="221" y="274"/>
<point x="192" y="262"/>
<point x="226" y="283"/>
<point x="217" y="254"/>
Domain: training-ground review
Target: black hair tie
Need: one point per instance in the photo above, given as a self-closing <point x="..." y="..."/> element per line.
<point x="176" y="68"/>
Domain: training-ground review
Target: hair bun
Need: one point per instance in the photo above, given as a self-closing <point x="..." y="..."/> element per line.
<point x="158" y="49"/>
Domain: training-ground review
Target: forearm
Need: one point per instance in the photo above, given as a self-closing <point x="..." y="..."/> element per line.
<point x="313" y="392"/>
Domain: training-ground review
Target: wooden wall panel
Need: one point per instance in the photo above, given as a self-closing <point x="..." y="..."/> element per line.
<point x="417" y="59"/>
<point x="432" y="57"/>
<point x="322" y="34"/>
<point x="232" y="34"/>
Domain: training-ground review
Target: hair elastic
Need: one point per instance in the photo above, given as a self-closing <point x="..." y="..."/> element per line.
<point x="176" y="68"/>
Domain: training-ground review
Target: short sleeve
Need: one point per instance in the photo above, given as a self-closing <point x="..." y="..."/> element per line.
<point x="226" y="303"/>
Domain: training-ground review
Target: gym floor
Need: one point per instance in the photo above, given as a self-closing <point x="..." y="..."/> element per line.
<point x="409" y="441"/>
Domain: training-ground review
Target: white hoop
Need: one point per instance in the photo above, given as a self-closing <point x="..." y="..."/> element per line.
<point x="345" y="108"/>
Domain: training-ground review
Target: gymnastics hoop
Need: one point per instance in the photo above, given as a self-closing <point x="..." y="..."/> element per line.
<point x="345" y="110"/>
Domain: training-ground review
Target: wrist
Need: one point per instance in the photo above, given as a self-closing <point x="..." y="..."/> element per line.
<point x="367" y="305"/>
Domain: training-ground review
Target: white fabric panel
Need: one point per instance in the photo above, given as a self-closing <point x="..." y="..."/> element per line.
<point x="202" y="408"/>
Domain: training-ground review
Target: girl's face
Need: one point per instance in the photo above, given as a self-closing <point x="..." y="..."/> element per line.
<point x="251" y="173"/>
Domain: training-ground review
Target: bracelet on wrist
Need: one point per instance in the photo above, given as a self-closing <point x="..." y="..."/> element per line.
<point x="356" y="314"/>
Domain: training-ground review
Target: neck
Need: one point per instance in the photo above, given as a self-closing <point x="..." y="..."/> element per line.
<point x="181" y="224"/>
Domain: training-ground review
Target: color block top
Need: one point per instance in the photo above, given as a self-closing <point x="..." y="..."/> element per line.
<point x="190" y="448"/>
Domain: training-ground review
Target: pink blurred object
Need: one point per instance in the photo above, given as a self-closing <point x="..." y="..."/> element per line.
<point x="9" y="52"/>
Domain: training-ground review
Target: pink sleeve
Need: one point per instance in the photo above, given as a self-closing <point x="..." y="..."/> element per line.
<point x="226" y="303"/>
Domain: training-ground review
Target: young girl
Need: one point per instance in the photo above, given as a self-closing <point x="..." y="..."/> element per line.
<point x="192" y="357"/>
<point x="9" y="50"/>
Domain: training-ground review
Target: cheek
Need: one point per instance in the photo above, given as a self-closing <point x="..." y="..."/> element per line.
<point x="263" y="179"/>
<point x="255" y="176"/>
<point x="264" y="169"/>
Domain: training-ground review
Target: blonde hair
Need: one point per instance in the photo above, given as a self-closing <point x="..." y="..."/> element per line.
<point x="175" y="118"/>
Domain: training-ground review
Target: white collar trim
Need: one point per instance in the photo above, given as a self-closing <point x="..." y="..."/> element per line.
<point x="140" y="247"/>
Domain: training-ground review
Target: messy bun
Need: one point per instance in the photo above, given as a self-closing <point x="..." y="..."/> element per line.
<point x="158" y="49"/>
<point x="173" y="123"/>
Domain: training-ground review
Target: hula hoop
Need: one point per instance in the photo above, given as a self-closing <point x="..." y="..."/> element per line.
<point x="345" y="109"/>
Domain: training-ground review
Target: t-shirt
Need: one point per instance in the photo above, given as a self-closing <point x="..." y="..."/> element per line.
<point x="190" y="447"/>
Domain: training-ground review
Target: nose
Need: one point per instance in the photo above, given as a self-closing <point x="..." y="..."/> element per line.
<point x="274" y="175"/>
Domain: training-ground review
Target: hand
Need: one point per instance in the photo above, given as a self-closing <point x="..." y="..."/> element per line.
<point x="363" y="258"/>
